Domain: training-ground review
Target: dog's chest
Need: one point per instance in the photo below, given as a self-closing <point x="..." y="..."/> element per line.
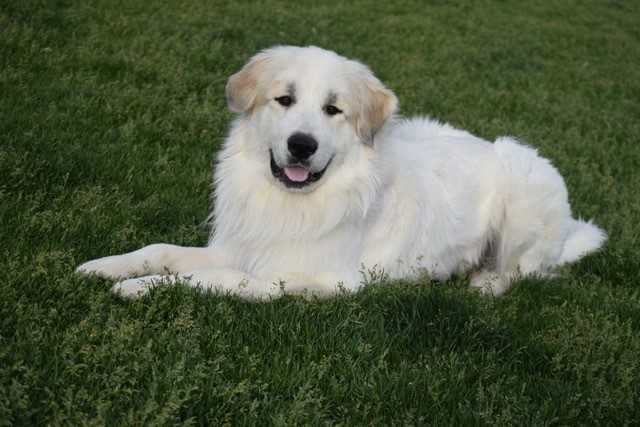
<point x="338" y="251"/>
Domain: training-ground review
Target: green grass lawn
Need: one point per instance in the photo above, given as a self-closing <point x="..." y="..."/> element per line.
<point x="110" y="117"/>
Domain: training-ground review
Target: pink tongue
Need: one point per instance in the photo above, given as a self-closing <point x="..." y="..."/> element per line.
<point x="296" y="173"/>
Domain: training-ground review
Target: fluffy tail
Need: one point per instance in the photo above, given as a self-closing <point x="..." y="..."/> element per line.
<point x="585" y="238"/>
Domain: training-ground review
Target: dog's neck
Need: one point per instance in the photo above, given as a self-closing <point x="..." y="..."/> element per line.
<point x="247" y="199"/>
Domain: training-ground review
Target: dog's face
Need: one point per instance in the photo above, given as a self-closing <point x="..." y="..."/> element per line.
<point x="314" y="112"/>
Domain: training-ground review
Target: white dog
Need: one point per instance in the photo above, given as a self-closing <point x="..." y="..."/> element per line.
<point x="318" y="182"/>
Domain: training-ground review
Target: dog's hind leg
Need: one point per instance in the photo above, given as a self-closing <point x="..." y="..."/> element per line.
<point x="519" y="254"/>
<point x="490" y="282"/>
<point x="153" y="259"/>
<point x="537" y="231"/>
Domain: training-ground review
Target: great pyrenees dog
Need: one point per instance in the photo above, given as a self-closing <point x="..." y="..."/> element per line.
<point x="319" y="184"/>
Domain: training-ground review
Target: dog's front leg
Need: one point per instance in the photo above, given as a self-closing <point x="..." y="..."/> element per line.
<point x="154" y="259"/>
<point x="238" y="283"/>
<point x="221" y="279"/>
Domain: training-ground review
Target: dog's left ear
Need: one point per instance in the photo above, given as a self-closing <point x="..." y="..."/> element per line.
<point x="377" y="104"/>
<point x="242" y="87"/>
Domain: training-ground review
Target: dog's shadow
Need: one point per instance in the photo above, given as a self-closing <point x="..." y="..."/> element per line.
<point x="402" y="321"/>
<point x="419" y="319"/>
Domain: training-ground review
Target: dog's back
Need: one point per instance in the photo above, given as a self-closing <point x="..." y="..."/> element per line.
<point x="453" y="200"/>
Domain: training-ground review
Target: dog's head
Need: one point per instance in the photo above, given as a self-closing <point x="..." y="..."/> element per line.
<point x="311" y="109"/>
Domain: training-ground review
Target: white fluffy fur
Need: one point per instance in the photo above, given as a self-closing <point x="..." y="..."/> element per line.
<point x="404" y="197"/>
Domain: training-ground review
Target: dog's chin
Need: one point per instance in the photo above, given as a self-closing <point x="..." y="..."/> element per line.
<point x="297" y="177"/>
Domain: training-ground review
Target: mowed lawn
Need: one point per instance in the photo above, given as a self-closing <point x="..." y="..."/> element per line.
<point x="110" y="116"/>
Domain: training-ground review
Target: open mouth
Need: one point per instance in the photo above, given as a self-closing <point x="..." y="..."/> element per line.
<point x="295" y="176"/>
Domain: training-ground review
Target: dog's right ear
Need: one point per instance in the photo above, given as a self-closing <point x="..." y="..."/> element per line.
<point x="242" y="87"/>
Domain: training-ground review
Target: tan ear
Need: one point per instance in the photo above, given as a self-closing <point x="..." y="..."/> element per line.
<point x="378" y="104"/>
<point x="242" y="87"/>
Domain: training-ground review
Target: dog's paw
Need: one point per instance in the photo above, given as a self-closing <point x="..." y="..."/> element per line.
<point x="132" y="288"/>
<point x="111" y="267"/>
<point x="490" y="283"/>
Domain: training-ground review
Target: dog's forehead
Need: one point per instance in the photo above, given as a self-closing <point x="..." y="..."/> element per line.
<point x="314" y="86"/>
<point x="312" y="74"/>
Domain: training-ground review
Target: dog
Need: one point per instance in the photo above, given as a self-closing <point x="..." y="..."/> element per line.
<point x="320" y="184"/>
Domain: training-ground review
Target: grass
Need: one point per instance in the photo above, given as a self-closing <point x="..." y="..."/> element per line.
<point x="110" y="115"/>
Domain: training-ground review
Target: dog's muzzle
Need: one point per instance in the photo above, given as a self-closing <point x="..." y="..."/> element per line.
<point x="295" y="175"/>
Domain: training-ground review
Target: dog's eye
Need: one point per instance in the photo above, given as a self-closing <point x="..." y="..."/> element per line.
<point x="332" y="110"/>
<point x="285" y="100"/>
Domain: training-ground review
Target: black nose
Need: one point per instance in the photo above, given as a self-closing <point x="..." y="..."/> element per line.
<point x="302" y="146"/>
